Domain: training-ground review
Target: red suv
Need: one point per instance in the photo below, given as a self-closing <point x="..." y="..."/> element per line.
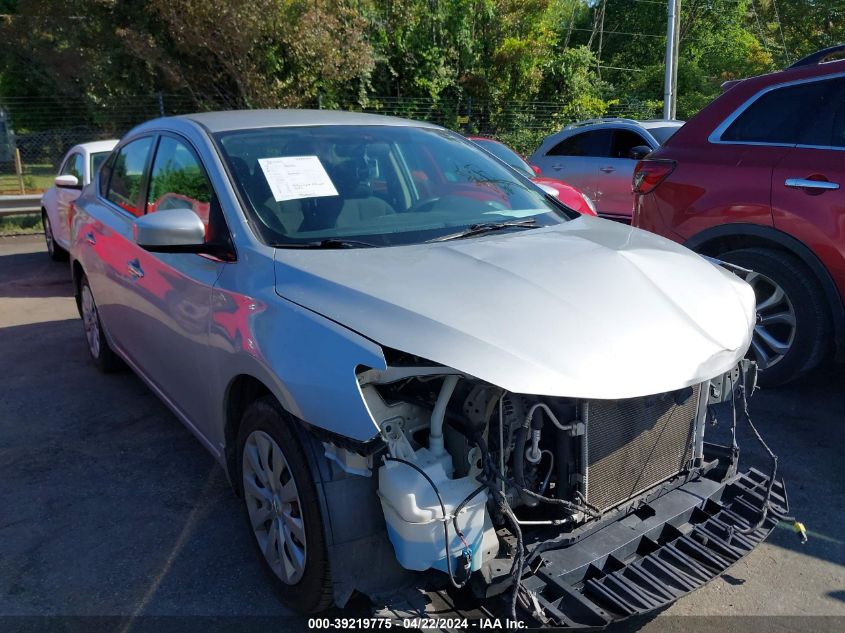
<point x="757" y="179"/>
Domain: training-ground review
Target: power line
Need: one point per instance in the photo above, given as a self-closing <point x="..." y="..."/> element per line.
<point x="633" y="70"/>
<point x="780" y="28"/>
<point x="601" y="37"/>
<point x="760" y="28"/>
<point x="606" y="32"/>
<point x="571" y="24"/>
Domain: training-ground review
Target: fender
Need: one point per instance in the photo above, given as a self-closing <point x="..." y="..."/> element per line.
<point x="704" y="243"/>
<point x="306" y="361"/>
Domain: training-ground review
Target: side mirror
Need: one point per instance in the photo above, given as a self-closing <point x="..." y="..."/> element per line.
<point x="639" y="152"/>
<point x="170" y="231"/>
<point x="68" y="181"/>
<point x="537" y="170"/>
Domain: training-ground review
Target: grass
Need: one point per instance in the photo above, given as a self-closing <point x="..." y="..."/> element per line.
<point x="20" y="225"/>
<point x="36" y="178"/>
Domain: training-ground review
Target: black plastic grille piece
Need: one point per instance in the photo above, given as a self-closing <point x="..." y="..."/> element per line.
<point x="660" y="566"/>
<point x="635" y="444"/>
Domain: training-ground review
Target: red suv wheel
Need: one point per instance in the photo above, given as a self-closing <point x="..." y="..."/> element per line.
<point x="792" y="324"/>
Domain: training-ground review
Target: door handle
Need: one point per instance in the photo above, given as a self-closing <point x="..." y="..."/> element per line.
<point x="134" y="268"/>
<point x="608" y="170"/>
<point x="557" y="166"/>
<point x="805" y="183"/>
<point x="89" y="237"/>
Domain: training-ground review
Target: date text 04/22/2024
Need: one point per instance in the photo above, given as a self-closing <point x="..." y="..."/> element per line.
<point x="492" y="624"/>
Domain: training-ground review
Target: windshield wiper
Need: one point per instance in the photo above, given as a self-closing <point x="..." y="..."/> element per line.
<point x="330" y="242"/>
<point x="487" y="227"/>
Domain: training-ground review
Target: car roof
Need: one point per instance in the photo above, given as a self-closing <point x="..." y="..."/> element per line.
<point x="623" y="122"/>
<point x="796" y="71"/>
<point x="230" y="120"/>
<point x="592" y="124"/>
<point x="736" y="94"/>
<point x="650" y="124"/>
<point x="95" y="147"/>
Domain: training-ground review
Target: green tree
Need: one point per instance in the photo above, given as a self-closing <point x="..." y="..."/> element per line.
<point x="86" y="61"/>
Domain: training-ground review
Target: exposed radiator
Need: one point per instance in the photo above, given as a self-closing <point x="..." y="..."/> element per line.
<point x="634" y="444"/>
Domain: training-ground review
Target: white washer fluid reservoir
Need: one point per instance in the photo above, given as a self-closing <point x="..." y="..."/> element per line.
<point x="415" y="520"/>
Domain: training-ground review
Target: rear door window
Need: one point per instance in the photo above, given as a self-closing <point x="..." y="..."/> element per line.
<point x="780" y="116"/>
<point x="104" y="174"/>
<point x="593" y="143"/>
<point x="127" y="175"/>
<point x="837" y="138"/>
<point x="97" y="160"/>
<point x="624" y="141"/>
<point x="827" y="127"/>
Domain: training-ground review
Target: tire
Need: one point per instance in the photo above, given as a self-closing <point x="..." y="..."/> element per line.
<point x="265" y="486"/>
<point x="56" y="252"/>
<point x="98" y="347"/>
<point x="786" y="290"/>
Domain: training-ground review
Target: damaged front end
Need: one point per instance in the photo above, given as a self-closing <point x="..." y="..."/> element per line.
<point x="561" y="511"/>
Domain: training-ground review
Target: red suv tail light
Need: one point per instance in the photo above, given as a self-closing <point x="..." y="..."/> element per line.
<point x="650" y="173"/>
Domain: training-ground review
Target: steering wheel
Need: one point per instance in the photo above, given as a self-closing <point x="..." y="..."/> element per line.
<point x="424" y="205"/>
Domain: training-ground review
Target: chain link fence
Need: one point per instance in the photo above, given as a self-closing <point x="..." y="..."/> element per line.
<point x="36" y="132"/>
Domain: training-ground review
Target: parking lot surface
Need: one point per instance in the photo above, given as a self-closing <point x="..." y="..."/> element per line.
<point x="109" y="507"/>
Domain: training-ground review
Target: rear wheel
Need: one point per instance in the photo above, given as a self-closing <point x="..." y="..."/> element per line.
<point x="56" y="252"/>
<point x="102" y="355"/>
<point x="283" y="508"/>
<point x="791" y="334"/>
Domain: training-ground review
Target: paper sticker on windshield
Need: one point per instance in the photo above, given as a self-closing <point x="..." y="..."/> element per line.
<point x="295" y="177"/>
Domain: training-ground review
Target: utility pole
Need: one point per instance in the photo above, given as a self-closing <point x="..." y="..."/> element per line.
<point x="670" y="82"/>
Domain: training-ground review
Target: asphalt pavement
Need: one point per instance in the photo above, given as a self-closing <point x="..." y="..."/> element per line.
<point x="109" y="507"/>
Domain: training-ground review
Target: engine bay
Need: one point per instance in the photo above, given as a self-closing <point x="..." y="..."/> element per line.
<point x="483" y="487"/>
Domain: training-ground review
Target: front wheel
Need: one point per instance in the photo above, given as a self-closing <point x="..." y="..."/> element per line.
<point x="791" y="334"/>
<point x="283" y="508"/>
<point x="102" y="355"/>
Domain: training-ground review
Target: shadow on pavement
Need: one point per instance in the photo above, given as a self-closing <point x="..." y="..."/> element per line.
<point x="33" y="275"/>
<point x="804" y="425"/>
<point x="110" y="506"/>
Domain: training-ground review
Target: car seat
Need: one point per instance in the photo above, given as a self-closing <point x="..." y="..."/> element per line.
<point x="360" y="206"/>
<point x="283" y="217"/>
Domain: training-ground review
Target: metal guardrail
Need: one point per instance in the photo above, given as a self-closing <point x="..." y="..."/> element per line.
<point x="20" y="205"/>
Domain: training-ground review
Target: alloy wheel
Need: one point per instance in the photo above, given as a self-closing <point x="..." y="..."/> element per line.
<point x="274" y="507"/>
<point x="774" y="331"/>
<point x="91" y="321"/>
<point x="48" y="236"/>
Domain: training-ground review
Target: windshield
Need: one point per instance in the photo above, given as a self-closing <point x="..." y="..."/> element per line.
<point x="662" y="134"/>
<point x="506" y="154"/>
<point x="97" y="160"/>
<point x="379" y="185"/>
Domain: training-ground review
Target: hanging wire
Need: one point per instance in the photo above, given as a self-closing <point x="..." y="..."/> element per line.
<point x="780" y="28"/>
<point x="760" y="28"/>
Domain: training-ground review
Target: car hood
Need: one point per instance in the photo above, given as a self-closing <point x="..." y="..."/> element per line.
<point x="589" y="308"/>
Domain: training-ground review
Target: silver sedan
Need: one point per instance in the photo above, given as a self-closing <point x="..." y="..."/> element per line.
<point x="397" y="346"/>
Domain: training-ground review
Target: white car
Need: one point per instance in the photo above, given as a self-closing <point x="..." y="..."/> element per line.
<point x="78" y="168"/>
<point x="598" y="158"/>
